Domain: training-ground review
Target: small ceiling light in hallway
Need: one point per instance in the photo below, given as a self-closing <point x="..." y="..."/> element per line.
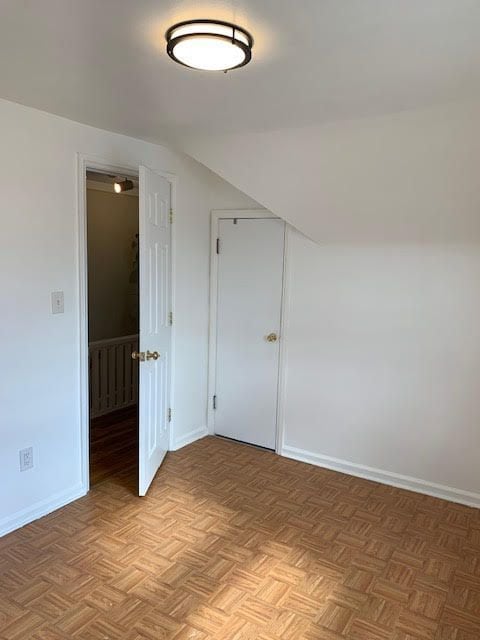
<point x="122" y="184"/>
<point x="210" y="45"/>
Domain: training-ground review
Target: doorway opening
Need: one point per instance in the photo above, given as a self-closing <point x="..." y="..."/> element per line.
<point x="154" y="356"/>
<point x="113" y="327"/>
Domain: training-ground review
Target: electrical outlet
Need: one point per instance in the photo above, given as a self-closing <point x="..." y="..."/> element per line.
<point x="26" y="459"/>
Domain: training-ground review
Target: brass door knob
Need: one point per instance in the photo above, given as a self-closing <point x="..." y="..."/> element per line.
<point x="138" y="355"/>
<point x="272" y="337"/>
<point x="153" y="355"/>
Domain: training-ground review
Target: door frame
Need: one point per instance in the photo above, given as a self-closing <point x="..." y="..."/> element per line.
<point x="231" y="214"/>
<point x="93" y="163"/>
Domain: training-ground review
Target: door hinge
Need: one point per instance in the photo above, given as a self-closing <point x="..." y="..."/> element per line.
<point x="218" y="245"/>
<point x="214" y="403"/>
<point x="171" y="216"/>
<point x="170" y="318"/>
<point x="169" y="415"/>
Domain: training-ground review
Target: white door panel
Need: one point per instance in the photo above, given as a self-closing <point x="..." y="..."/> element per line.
<point x="155" y="330"/>
<point x="250" y="273"/>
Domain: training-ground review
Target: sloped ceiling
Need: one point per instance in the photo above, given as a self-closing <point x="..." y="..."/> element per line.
<point x="408" y="177"/>
<point x="266" y="128"/>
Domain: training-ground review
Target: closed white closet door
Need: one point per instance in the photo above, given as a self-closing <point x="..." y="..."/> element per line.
<point x="250" y="273"/>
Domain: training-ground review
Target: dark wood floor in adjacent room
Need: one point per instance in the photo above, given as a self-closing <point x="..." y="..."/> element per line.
<point x="114" y="448"/>
<point x="236" y="543"/>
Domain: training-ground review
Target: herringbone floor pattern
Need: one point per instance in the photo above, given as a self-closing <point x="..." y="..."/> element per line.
<point x="235" y="543"/>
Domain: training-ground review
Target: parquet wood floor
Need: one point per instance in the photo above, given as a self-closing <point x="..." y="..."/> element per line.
<point x="236" y="543"/>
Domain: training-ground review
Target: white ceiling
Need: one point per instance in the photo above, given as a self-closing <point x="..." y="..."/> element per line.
<point x="104" y="63"/>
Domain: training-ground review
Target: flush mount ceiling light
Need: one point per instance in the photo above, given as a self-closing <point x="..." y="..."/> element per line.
<point x="210" y="45"/>
<point x="122" y="184"/>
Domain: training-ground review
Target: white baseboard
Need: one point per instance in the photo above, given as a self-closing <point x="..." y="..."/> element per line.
<point x="40" y="509"/>
<point x="468" y="498"/>
<point x="190" y="437"/>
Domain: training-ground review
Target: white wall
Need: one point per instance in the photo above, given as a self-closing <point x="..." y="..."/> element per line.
<point x="39" y="390"/>
<point x="112" y="224"/>
<point x="383" y="355"/>
<point x="383" y="361"/>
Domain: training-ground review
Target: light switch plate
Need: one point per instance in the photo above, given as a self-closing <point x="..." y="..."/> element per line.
<point x="57" y="302"/>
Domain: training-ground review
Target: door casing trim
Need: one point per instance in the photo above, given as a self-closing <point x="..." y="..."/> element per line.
<point x="84" y="162"/>
<point x="231" y="214"/>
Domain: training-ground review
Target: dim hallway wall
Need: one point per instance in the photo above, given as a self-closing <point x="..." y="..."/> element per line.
<point x="38" y="255"/>
<point x="112" y="298"/>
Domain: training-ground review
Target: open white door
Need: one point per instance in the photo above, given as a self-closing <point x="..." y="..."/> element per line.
<point x="155" y="331"/>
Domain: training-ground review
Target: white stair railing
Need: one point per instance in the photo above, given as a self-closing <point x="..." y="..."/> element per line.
<point x="113" y="374"/>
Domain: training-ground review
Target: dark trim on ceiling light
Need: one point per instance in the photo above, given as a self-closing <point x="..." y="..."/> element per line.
<point x="246" y="48"/>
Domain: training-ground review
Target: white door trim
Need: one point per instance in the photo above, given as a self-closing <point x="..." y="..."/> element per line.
<point x="231" y="214"/>
<point x="94" y="163"/>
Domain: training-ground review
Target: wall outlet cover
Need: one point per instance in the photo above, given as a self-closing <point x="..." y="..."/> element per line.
<point x="26" y="459"/>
